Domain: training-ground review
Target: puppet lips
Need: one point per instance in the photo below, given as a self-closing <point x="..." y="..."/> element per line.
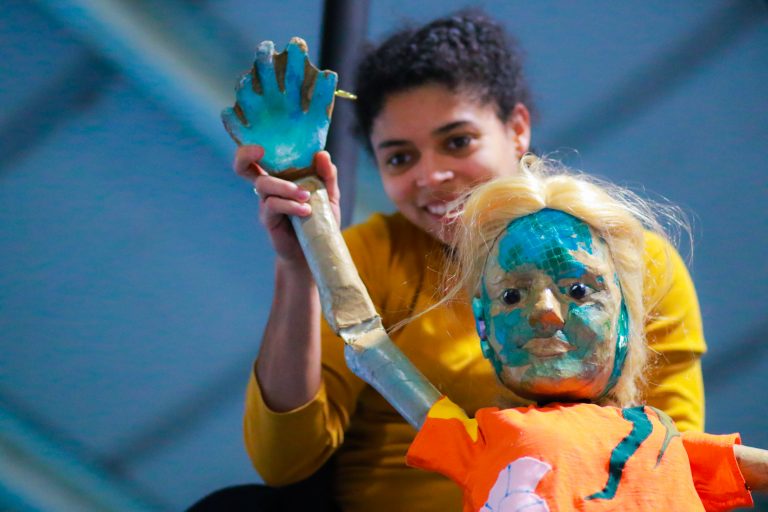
<point x="547" y="347"/>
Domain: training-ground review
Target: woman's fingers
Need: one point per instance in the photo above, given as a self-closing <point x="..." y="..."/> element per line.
<point x="326" y="171"/>
<point x="269" y="186"/>
<point x="274" y="209"/>
<point x="281" y="197"/>
<point x="246" y="162"/>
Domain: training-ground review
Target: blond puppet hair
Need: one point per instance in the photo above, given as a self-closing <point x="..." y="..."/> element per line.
<point x="615" y="214"/>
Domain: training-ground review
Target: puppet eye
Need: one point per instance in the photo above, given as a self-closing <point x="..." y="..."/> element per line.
<point x="510" y="296"/>
<point x="578" y="291"/>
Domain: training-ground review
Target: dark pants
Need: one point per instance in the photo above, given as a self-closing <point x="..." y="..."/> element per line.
<point x="315" y="493"/>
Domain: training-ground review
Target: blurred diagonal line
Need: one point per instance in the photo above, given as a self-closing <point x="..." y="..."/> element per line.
<point x="38" y="473"/>
<point x="155" y="58"/>
<point x="212" y="41"/>
<point x="181" y="418"/>
<point x="61" y="98"/>
<point x="640" y="90"/>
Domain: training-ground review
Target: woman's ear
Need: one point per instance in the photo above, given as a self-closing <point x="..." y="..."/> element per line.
<point x="519" y="126"/>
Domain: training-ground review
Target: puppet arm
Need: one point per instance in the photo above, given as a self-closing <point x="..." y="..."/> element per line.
<point x="753" y="463"/>
<point x="284" y="104"/>
<point x="374" y="358"/>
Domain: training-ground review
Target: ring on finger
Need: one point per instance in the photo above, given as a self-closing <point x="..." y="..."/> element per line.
<point x="259" y="197"/>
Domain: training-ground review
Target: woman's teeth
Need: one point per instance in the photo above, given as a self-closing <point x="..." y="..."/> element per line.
<point x="438" y="209"/>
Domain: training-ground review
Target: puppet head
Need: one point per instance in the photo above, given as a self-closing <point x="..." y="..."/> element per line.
<point x="554" y="263"/>
<point x="555" y="325"/>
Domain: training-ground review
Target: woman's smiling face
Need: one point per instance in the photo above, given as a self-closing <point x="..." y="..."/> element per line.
<point x="432" y="145"/>
<point x="553" y="309"/>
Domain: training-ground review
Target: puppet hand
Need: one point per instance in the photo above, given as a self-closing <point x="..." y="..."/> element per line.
<point x="284" y="104"/>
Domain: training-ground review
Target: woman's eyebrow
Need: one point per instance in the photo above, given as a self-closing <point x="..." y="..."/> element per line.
<point x="441" y="130"/>
<point x="392" y="142"/>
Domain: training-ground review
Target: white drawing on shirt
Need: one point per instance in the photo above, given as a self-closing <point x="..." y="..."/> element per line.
<point x="513" y="490"/>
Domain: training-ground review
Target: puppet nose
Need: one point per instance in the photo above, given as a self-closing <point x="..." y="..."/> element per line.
<point x="546" y="311"/>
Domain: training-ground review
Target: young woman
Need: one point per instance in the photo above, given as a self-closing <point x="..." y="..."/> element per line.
<point x="443" y="108"/>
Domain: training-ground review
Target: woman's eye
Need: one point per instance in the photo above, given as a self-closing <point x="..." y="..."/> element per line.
<point x="578" y="291"/>
<point x="510" y="296"/>
<point x="459" y="142"/>
<point x="398" y="159"/>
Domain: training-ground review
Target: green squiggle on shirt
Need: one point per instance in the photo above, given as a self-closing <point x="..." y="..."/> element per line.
<point x="641" y="429"/>
<point x="671" y="431"/>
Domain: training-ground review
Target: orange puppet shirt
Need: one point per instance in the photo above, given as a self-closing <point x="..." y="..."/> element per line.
<point x="564" y="457"/>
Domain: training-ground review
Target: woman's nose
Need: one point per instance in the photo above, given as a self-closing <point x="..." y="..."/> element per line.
<point x="546" y="311"/>
<point x="432" y="173"/>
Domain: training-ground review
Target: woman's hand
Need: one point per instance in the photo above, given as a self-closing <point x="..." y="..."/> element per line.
<point x="280" y="198"/>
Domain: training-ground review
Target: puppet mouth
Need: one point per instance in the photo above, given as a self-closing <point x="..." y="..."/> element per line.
<point x="547" y="347"/>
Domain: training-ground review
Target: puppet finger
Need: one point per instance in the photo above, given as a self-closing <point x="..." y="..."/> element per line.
<point x="323" y="94"/>
<point x="297" y="71"/>
<point x="264" y="77"/>
<point x="249" y="97"/>
<point x="233" y="123"/>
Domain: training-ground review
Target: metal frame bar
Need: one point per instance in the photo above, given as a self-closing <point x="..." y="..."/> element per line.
<point x="165" y="68"/>
<point x="36" y="474"/>
<point x="345" y="24"/>
<point x="659" y="77"/>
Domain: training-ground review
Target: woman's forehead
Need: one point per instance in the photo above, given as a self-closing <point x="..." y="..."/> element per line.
<point x="424" y="109"/>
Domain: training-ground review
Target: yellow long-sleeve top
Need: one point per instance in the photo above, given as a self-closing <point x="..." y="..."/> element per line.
<point x="401" y="266"/>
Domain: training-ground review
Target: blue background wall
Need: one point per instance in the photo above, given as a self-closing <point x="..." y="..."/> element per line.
<point x="135" y="279"/>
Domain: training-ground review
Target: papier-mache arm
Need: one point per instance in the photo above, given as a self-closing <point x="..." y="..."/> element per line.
<point x="284" y="104"/>
<point x="753" y="464"/>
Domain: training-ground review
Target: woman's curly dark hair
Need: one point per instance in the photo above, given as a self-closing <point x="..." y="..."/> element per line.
<point x="467" y="51"/>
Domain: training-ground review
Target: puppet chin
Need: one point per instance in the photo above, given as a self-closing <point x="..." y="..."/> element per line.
<point x="545" y="385"/>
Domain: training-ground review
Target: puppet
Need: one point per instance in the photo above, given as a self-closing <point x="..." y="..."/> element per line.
<point x="554" y="267"/>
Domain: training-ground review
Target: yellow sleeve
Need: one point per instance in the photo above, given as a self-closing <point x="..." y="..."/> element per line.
<point x="290" y="446"/>
<point x="286" y="447"/>
<point x="675" y="336"/>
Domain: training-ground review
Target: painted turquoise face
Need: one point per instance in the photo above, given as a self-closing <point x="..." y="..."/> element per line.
<point x="551" y="304"/>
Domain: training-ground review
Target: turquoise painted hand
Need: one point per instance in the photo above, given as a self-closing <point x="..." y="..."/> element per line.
<point x="283" y="104"/>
